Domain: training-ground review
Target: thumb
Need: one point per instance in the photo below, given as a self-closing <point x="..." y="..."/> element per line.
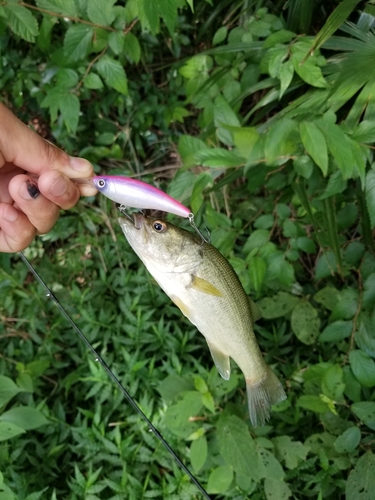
<point x="26" y="149"/>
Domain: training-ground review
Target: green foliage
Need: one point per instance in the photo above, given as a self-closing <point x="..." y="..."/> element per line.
<point x="263" y="123"/>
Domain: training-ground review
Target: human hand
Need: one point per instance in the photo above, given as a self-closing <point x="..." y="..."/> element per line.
<point x="35" y="182"/>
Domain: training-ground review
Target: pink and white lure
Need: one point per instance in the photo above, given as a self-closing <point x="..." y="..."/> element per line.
<point x="137" y="194"/>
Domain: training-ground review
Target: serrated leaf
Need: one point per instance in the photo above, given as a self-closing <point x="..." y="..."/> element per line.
<point x="291" y="452"/>
<point x="101" y="11"/>
<point x="237" y="446"/>
<point x="21" y="21"/>
<point x="148" y="12"/>
<point x="348" y="440"/>
<point x="77" y="42"/>
<point x="218" y="158"/>
<point x="132" y="48"/>
<point x="113" y="74"/>
<point x="93" y="81"/>
<point x="277" y="306"/>
<point x="25" y="417"/>
<point x="363" y="367"/>
<point x="336" y="184"/>
<point x="315" y="144"/>
<point x="70" y="108"/>
<point x="305" y="322"/>
<point x="361" y="481"/>
<point x="168" y="12"/>
<point x="220" y="479"/>
<point x="198" y="453"/>
<point x="370" y="195"/>
<point x="188" y="146"/>
<point x="67" y="7"/>
<point x="276" y="490"/>
<point x="9" y="430"/>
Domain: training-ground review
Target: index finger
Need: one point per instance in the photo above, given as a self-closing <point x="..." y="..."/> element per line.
<point x="25" y="148"/>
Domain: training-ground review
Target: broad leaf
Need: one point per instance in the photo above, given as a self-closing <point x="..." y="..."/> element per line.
<point x="363" y="367"/>
<point x="220" y="479"/>
<point x="8" y="389"/>
<point x="305" y="322"/>
<point x="25" y="417"/>
<point x="101" y="11"/>
<point x="113" y="74"/>
<point x="198" y="453"/>
<point x="361" y="481"/>
<point x="315" y="144"/>
<point x="21" y="21"/>
<point x="77" y="42"/>
<point x="370" y="195"/>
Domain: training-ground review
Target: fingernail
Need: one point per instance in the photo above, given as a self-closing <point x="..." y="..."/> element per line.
<point x="59" y="186"/>
<point x="28" y="190"/>
<point x="10" y="213"/>
<point x="80" y="164"/>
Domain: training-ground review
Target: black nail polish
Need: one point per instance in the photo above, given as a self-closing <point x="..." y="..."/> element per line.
<point x="32" y="189"/>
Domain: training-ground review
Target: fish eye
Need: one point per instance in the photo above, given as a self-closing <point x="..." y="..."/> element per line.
<point x="101" y="183"/>
<point x="159" y="226"/>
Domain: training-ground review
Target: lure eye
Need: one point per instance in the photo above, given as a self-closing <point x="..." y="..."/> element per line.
<point x="101" y="183"/>
<point x="159" y="226"/>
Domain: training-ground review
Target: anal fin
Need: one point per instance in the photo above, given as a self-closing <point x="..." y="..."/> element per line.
<point x="222" y="361"/>
<point x="204" y="286"/>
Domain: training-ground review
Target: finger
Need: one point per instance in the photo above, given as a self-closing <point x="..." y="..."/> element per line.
<point x="16" y="231"/>
<point x="41" y="212"/>
<point x="26" y="149"/>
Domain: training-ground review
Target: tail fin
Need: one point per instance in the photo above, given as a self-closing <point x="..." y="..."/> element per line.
<point x="261" y="396"/>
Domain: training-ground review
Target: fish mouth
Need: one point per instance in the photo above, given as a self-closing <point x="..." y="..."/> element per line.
<point x="136" y="221"/>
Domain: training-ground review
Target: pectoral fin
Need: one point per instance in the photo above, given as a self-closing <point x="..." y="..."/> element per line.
<point x="255" y="310"/>
<point x="204" y="286"/>
<point x="222" y="361"/>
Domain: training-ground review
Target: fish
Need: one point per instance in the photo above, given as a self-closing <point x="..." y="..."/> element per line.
<point x="138" y="194"/>
<point x="205" y="287"/>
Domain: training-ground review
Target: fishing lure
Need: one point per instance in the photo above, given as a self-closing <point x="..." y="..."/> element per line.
<point x="110" y="373"/>
<point x="138" y="194"/>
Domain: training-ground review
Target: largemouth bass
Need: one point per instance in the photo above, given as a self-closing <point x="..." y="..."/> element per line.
<point x="202" y="283"/>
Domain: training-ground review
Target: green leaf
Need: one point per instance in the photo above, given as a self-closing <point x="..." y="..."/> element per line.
<point x="335" y="20"/>
<point x="332" y="383"/>
<point x="132" y="49"/>
<point x="70" y="109"/>
<point x="276" y="490"/>
<point x="25" y="417"/>
<point x="78" y="41"/>
<point x="116" y="41"/>
<point x="336" y="331"/>
<point x="224" y="115"/>
<point x="148" y="12"/>
<point x="237" y="447"/>
<point x="257" y="272"/>
<point x="370" y="195"/>
<point x="101" y="11"/>
<point x="348" y="440"/>
<point x="306" y="244"/>
<point x="9" y="430"/>
<point x="178" y="415"/>
<point x="328" y="297"/>
<point x="307" y="70"/>
<point x="93" y="81"/>
<point x="245" y="139"/>
<point x="305" y="322"/>
<point x="113" y="74"/>
<point x="365" y="335"/>
<point x="277" y="306"/>
<point x="363" y="367"/>
<point x="168" y="12"/>
<point x="8" y="389"/>
<point x="280" y="143"/>
<point x="368" y="300"/>
<point x="290" y="452"/>
<point x="361" y="481"/>
<point x="340" y="146"/>
<point x="220" y="479"/>
<point x="68" y="7"/>
<point x="336" y="184"/>
<point x="198" y="453"/>
<point x="172" y="386"/>
<point x="286" y="73"/>
<point x="269" y="466"/>
<point x="218" y="158"/>
<point x="188" y="146"/>
<point x="220" y="35"/>
<point x="315" y="144"/>
<point x="313" y="403"/>
<point x="21" y="21"/>
<point x="365" y="411"/>
<point x="304" y="166"/>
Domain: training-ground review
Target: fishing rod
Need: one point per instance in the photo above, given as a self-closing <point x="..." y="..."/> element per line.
<point x="97" y="356"/>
